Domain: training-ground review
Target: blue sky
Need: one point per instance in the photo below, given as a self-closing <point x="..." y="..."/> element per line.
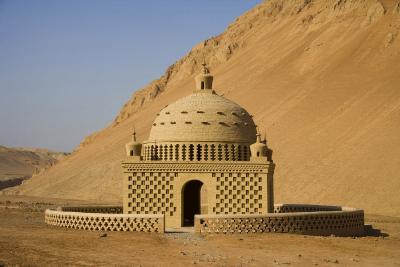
<point x="67" y="67"/>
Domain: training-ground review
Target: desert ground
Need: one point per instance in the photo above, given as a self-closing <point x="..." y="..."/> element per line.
<point x="25" y="240"/>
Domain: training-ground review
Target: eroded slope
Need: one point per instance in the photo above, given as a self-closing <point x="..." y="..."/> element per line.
<point x="321" y="77"/>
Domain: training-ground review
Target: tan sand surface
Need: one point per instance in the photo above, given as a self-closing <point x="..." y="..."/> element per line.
<point x="26" y="241"/>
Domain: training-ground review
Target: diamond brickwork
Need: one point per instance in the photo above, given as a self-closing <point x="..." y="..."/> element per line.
<point x="226" y="188"/>
<point x="239" y="193"/>
<point x="346" y="222"/>
<point x="151" y="193"/>
<point x="105" y="222"/>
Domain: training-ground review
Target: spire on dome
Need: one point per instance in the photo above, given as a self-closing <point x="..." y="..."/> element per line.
<point x="204" y="80"/>
<point x="134" y="135"/>
<point x="205" y="69"/>
<point x="264" y="138"/>
<point x="258" y="135"/>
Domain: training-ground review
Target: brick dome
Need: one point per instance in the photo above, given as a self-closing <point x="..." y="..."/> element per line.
<point x="203" y="117"/>
<point x="201" y="127"/>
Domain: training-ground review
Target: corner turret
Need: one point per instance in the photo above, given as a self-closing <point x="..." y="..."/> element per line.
<point x="259" y="149"/>
<point x="133" y="148"/>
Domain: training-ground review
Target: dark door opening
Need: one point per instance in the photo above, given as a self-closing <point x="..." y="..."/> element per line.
<point x="191" y="201"/>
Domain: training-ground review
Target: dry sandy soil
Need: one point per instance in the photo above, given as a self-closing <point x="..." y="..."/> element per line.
<point x="26" y="240"/>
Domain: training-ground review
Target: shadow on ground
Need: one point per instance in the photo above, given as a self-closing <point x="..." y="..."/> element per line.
<point x="369" y="230"/>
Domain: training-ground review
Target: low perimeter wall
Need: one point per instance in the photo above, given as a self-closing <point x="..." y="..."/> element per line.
<point x="106" y="221"/>
<point x="343" y="222"/>
<point x="287" y="218"/>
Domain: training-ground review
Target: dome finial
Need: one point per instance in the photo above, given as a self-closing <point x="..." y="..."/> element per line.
<point x="264" y="138"/>
<point x="134" y="134"/>
<point x="204" y="80"/>
<point x="205" y="69"/>
<point x="258" y="134"/>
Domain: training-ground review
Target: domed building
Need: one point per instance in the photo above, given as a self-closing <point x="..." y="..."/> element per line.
<point x="205" y="165"/>
<point x="204" y="155"/>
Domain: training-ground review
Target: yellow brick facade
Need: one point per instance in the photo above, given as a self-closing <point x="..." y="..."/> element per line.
<point x="203" y="156"/>
<point x="231" y="188"/>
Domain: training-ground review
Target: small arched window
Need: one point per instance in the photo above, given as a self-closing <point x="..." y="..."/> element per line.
<point x="191" y="152"/>
<point x="219" y="154"/>
<point x="226" y="152"/>
<point x="202" y="85"/>
<point x="171" y="152"/>
<point x="212" y="152"/>
<point x="233" y="152"/>
<point x="239" y="152"/>
<point x="199" y="150"/>
<point x="176" y="152"/>
<point x="160" y="153"/>
<point x="183" y="152"/>
<point x="156" y="152"/>
<point x="152" y="153"/>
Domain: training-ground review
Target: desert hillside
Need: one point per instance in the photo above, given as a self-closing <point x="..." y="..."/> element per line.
<point x="321" y="77"/>
<point x="17" y="164"/>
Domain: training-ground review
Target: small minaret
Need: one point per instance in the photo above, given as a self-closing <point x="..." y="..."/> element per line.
<point x="133" y="148"/>
<point x="204" y="80"/>
<point x="264" y="138"/>
<point x="259" y="149"/>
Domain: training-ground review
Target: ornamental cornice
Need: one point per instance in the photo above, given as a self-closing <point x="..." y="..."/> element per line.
<point x="195" y="167"/>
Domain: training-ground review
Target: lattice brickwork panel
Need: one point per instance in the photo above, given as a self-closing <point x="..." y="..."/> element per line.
<point x="285" y="208"/>
<point x="238" y="193"/>
<point x="151" y="193"/>
<point x="105" y="222"/>
<point x="317" y="223"/>
<point x="94" y="209"/>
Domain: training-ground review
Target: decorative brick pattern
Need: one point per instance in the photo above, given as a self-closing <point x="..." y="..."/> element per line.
<point x="105" y="222"/>
<point x="151" y="193"/>
<point x="210" y="151"/>
<point x="348" y="222"/>
<point x="94" y="209"/>
<point x="154" y="166"/>
<point x="231" y="188"/>
<point x="203" y="116"/>
<point x="239" y="193"/>
<point x="286" y="208"/>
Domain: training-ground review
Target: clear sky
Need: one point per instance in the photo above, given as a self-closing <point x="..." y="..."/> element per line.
<point x="67" y="67"/>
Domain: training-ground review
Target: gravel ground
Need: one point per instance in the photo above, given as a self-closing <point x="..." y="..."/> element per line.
<point x="26" y="241"/>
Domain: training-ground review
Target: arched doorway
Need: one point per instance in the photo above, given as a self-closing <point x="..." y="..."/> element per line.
<point x="191" y="201"/>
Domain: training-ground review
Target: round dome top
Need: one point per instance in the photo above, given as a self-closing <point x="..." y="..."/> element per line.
<point x="203" y="117"/>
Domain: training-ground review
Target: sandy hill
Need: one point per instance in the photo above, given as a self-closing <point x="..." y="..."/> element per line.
<point x="321" y="77"/>
<point x="17" y="164"/>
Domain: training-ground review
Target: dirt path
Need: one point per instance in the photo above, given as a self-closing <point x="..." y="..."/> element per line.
<point x="26" y="240"/>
